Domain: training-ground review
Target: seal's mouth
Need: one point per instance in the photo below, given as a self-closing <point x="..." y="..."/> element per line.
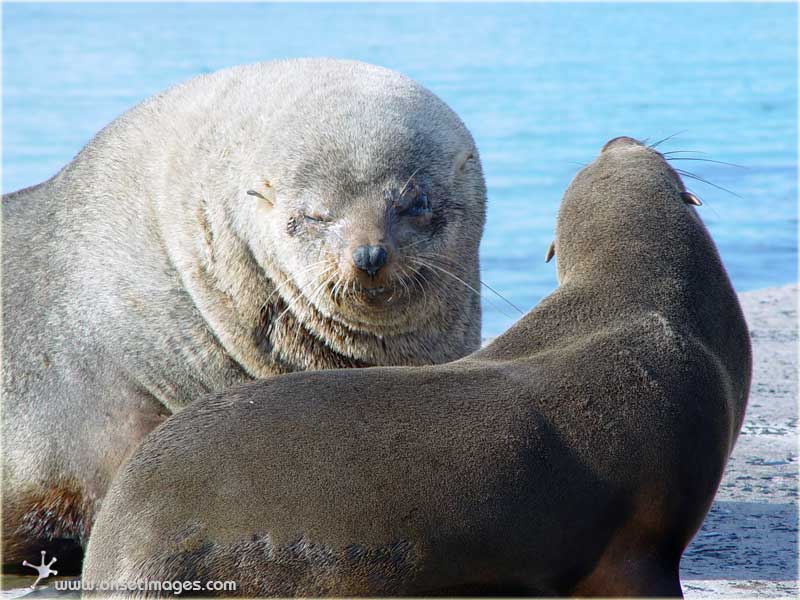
<point x="386" y="300"/>
<point x="393" y="304"/>
<point x="377" y="297"/>
<point x="363" y="299"/>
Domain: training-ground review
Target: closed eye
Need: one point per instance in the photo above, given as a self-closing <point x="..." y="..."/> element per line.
<point x="317" y="218"/>
<point x="419" y="206"/>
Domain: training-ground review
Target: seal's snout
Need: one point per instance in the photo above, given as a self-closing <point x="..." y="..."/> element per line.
<point x="621" y="141"/>
<point x="369" y="258"/>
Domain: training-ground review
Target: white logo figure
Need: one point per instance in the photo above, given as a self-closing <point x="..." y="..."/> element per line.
<point x="43" y="569"/>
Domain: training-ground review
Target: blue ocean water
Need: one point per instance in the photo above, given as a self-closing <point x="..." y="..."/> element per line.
<point x="541" y="86"/>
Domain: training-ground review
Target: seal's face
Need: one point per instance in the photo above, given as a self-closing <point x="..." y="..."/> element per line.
<point x="379" y="249"/>
<point x="619" y="197"/>
<point x="373" y="203"/>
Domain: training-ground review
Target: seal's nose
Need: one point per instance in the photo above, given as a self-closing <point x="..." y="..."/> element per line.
<point x="369" y="258"/>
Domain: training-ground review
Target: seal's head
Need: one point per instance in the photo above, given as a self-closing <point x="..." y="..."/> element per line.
<point x="620" y="210"/>
<point x="371" y="201"/>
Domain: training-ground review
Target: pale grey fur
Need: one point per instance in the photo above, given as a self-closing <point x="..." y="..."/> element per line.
<point x="144" y="275"/>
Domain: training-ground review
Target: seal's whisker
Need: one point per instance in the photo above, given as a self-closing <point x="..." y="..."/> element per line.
<point x="285" y="282"/>
<point x="412" y="275"/>
<point x="408" y="274"/>
<point x="318" y="292"/>
<point x="719" y="162"/>
<point x="415" y="278"/>
<point x="338" y="290"/>
<point x="403" y="189"/>
<point x="669" y="137"/>
<point x="706" y="181"/>
<point x="300" y="296"/>
<point x="404" y="285"/>
<point x="682" y="152"/>
<point x="483" y="283"/>
<point x="464" y="283"/>
<point x="407" y="246"/>
<point x="299" y="293"/>
<point x="425" y="282"/>
<point x="289" y="280"/>
<point x="312" y="299"/>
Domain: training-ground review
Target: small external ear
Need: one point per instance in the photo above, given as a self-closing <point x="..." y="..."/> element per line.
<point x="257" y="195"/>
<point x="551" y="252"/>
<point x="267" y="193"/>
<point x="690" y="198"/>
<point x="461" y="161"/>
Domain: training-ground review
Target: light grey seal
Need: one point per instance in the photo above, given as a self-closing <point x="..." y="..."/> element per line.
<point x="577" y="454"/>
<point x="277" y="217"/>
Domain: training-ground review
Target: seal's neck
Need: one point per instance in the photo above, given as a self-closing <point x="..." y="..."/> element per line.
<point x="677" y="280"/>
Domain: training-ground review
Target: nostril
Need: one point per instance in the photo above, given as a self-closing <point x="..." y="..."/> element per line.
<point x="361" y="257"/>
<point x="369" y="258"/>
<point x="377" y="256"/>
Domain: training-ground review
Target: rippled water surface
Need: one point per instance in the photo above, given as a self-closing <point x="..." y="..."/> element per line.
<point x="542" y="87"/>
